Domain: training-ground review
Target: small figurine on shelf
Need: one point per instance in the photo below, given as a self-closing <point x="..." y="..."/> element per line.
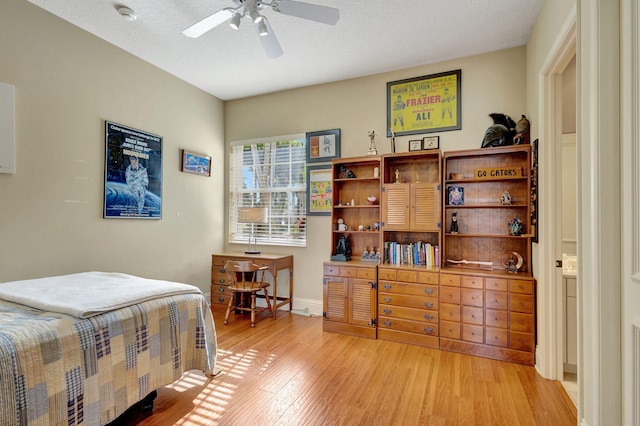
<point x="343" y="250"/>
<point x="346" y="173"/>
<point x="372" y="143"/>
<point x="505" y="198"/>
<point x="515" y="227"/>
<point x="510" y="265"/>
<point x="454" y="223"/>
<point x="370" y="255"/>
<point x="397" y="176"/>
<point x="341" y="225"/>
<point x="376" y="226"/>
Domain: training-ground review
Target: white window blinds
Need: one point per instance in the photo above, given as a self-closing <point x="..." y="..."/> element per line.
<point x="269" y="173"/>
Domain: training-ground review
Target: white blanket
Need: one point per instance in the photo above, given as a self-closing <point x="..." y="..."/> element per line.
<point x="87" y="294"/>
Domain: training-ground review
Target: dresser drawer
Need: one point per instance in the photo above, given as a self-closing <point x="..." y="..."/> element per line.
<point x="428" y="277"/>
<point x="386" y="274"/>
<point x="521" y="303"/>
<point x="220" y="301"/>
<point x="408" y="313"/>
<point x="472" y="315"/>
<point x="472" y="297"/>
<point x="450" y="295"/>
<point x="499" y="284"/>
<point x="521" y="341"/>
<point x="473" y="333"/>
<point x="408" y="301"/>
<point x="331" y="270"/>
<point x="496" y="299"/>
<point x="450" y="330"/>
<point x="496" y="337"/>
<point x="427" y="329"/>
<point x="472" y="282"/>
<point x="495" y="318"/>
<point x="450" y="280"/>
<point x="348" y="271"/>
<point x="407" y="276"/>
<point x="366" y="273"/>
<point x="450" y="312"/>
<point x="521" y="322"/>
<point x="406" y="288"/>
<point x="521" y="286"/>
<point x="219" y="278"/>
<point x="217" y="290"/>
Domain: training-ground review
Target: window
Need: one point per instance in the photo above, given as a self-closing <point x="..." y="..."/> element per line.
<point x="271" y="173"/>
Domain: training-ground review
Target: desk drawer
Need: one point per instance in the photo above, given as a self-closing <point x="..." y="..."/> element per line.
<point x="408" y="313"/>
<point x="408" y="325"/>
<point x="409" y="301"/>
<point x="406" y="288"/>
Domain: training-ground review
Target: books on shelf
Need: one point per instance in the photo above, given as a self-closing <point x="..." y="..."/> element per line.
<point x="414" y="253"/>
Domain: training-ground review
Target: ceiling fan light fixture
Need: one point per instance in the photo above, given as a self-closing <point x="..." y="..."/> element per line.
<point x="235" y="21"/>
<point x="262" y="28"/>
<point x="256" y="17"/>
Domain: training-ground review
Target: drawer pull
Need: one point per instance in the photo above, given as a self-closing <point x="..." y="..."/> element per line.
<point x="388" y="286"/>
<point x="222" y="280"/>
<point x="428" y="304"/>
<point x="222" y="270"/>
<point x="221" y="289"/>
<point x="428" y="316"/>
<point x="387" y="311"/>
<point x="428" y="290"/>
<point x="220" y="299"/>
<point x="387" y="299"/>
<point x="428" y="330"/>
<point x="387" y="323"/>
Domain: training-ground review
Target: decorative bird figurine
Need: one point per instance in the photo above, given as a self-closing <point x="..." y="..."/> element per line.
<point x="522" y="128"/>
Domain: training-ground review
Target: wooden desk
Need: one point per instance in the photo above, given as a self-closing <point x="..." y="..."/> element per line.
<point x="275" y="262"/>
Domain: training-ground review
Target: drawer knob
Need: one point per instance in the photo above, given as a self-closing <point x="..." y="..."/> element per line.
<point x="428" y="330"/>
<point x="221" y="289"/>
<point x="428" y="304"/>
<point x="428" y="290"/>
<point x="387" y="311"/>
<point x="428" y="316"/>
<point x="220" y="299"/>
<point x="221" y="281"/>
<point x="388" y="286"/>
<point x="387" y="299"/>
<point x="387" y="323"/>
<point x="223" y="270"/>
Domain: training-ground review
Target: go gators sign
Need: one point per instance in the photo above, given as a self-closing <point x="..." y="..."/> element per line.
<point x="498" y="173"/>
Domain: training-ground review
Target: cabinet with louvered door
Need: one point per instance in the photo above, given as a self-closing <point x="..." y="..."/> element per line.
<point x="349" y="299"/>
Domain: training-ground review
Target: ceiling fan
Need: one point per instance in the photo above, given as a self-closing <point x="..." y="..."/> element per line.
<point x="252" y="8"/>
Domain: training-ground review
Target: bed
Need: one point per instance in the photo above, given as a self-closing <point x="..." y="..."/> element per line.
<point x="81" y="349"/>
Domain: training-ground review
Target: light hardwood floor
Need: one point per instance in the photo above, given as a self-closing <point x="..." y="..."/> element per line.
<point x="290" y="372"/>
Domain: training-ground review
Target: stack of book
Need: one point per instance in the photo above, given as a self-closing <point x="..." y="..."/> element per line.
<point x="415" y="253"/>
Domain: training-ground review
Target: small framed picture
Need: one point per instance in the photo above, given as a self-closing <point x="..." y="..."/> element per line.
<point x="431" y="142"/>
<point x="198" y="164"/>
<point x="415" y="145"/>
<point x="323" y="146"/>
<point x="456" y="195"/>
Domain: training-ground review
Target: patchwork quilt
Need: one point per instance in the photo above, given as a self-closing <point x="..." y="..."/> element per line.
<point x="58" y="369"/>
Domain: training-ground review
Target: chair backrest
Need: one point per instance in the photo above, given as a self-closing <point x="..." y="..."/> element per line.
<point x="246" y="270"/>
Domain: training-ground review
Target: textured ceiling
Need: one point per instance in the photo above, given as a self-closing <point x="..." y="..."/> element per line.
<point x="372" y="36"/>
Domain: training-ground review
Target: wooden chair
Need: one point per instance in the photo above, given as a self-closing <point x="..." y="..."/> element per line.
<point x="246" y="278"/>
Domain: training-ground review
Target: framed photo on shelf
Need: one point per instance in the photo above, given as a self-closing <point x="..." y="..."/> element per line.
<point x="431" y="142"/>
<point x="456" y="195"/>
<point x="415" y="145"/>
<point x="323" y="146"/>
<point x="319" y="191"/>
<point x="198" y="164"/>
<point x="427" y="104"/>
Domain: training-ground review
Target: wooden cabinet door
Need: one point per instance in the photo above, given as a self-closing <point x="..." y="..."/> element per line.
<point x="335" y="298"/>
<point x="425" y="207"/>
<point x="362" y="297"/>
<point x="396" y="206"/>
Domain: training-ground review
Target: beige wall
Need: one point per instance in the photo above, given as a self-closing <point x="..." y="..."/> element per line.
<point x="67" y="82"/>
<point x="494" y="82"/>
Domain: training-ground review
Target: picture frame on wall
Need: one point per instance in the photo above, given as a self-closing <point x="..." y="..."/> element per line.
<point x="132" y="173"/>
<point x="323" y="146"/>
<point x="319" y="190"/>
<point x="415" y="145"/>
<point x="431" y="142"/>
<point x="426" y="104"/>
<point x="197" y="164"/>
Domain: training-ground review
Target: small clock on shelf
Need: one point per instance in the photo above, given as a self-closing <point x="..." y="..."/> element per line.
<point x="431" y="142"/>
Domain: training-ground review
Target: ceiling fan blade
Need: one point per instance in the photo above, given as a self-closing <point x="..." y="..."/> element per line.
<point x="208" y="23"/>
<point x="312" y="12"/>
<point x="270" y="42"/>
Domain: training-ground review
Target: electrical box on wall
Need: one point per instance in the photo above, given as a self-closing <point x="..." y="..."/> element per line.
<point x="7" y="129"/>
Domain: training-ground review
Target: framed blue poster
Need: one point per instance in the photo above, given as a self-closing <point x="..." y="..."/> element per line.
<point x="132" y="173"/>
